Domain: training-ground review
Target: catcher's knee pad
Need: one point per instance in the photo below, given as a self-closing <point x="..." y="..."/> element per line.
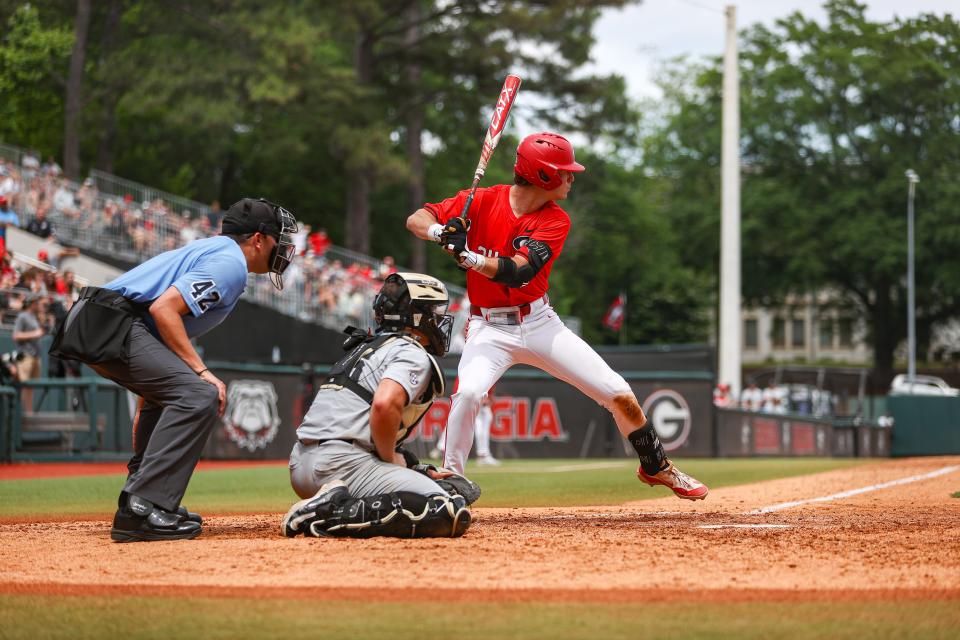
<point x="402" y="514"/>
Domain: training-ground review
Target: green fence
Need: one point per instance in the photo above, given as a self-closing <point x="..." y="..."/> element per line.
<point x="8" y="412"/>
<point x="925" y="425"/>
<point x="86" y="418"/>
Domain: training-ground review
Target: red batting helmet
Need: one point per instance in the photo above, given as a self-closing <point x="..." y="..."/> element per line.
<point x="541" y="156"/>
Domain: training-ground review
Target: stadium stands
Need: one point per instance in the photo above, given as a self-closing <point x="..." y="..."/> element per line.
<point x="129" y="223"/>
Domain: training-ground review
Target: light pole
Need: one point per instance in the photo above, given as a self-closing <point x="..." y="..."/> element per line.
<point x="912" y="180"/>
<point x="729" y="343"/>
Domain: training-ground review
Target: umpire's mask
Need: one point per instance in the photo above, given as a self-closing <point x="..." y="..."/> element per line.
<point x="415" y="301"/>
<point x="285" y="249"/>
<point x="261" y="215"/>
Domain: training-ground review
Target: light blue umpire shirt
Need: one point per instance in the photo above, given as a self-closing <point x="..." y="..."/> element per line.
<point x="210" y="275"/>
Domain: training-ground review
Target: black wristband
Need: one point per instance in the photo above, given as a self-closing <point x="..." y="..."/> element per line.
<point x="200" y="373"/>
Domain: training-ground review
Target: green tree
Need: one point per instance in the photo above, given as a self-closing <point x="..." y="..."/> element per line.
<point x="222" y="99"/>
<point x="618" y="242"/>
<point x="310" y="102"/>
<point x="33" y="62"/>
<point x="832" y="116"/>
<point x="460" y="53"/>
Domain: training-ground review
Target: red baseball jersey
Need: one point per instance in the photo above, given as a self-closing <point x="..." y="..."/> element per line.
<point x="495" y="231"/>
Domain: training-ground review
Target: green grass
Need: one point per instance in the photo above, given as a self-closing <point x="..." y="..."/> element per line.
<point x="538" y="483"/>
<point x="955" y="495"/>
<point x="80" y="617"/>
<point x="516" y="483"/>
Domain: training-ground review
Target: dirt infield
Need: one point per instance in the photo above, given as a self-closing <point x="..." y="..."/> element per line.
<point x="899" y="541"/>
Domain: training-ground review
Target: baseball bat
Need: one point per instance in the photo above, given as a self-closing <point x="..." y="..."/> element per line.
<point x="498" y="121"/>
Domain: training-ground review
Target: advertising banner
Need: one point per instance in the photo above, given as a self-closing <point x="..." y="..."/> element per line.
<point x="534" y="415"/>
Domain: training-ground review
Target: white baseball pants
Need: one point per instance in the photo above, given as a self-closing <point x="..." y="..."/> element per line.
<point x="541" y="341"/>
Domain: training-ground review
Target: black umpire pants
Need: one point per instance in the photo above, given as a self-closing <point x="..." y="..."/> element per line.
<point x="177" y="413"/>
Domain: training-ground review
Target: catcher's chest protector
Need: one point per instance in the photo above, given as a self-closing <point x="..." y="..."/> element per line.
<point x="345" y="374"/>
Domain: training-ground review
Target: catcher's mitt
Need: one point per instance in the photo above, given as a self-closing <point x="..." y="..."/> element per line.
<point x="454" y="484"/>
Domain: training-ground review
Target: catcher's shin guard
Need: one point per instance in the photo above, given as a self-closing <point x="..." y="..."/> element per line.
<point x="402" y="514"/>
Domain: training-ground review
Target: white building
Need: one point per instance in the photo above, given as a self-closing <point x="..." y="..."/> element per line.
<point x="807" y="328"/>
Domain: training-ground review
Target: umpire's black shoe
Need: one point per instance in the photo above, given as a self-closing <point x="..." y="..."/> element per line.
<point x="183" y="512"/>
<point x="186" y="514"/>
<point x="142" y="521"/>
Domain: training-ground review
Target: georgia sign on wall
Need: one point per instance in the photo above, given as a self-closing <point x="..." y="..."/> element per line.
<point x="670" y="415"/>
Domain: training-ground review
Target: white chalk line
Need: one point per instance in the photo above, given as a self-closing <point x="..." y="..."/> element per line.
<point x="854" y="492"/>
<point x="744" y="526"/>
<point x="566" y="468"/>
<point x="616" y="516"/>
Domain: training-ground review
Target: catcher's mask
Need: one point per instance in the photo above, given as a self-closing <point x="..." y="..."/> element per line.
<point x="261" y="215"/>
<point x="415" y="301"/>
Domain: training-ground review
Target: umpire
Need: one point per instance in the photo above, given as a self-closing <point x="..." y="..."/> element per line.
<point x="136" y="331"/>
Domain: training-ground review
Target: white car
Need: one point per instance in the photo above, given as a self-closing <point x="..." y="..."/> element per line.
<point x="921" y="386"/>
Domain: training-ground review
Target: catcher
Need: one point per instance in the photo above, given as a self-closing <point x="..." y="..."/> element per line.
<point x="348" y="466"/>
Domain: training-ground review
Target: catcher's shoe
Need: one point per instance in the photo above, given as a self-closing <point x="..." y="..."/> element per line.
<point x="142" y="521"/>
<point x="305" y="510"/>
<point x="677" y="481"/>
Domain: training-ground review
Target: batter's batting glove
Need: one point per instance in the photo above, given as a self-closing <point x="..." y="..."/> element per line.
<point x="453" y="237"/>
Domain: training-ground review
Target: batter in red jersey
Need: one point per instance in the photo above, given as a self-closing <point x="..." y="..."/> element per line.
<point x="511" y="238"/>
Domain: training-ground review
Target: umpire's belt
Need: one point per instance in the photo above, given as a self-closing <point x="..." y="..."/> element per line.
<point x="508" y="315"/>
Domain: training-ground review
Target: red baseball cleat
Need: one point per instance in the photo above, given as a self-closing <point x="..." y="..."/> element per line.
<point x="677" y="481"/>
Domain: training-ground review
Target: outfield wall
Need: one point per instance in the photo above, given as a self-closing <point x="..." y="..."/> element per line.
<point x="534" y="414"/>
<point x="925" y="425"/>
<point x="746" y="433"/>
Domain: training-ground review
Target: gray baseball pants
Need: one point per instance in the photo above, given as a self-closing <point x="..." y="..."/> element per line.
<point x="312" y="466"/>
<point x="176" y="416"/>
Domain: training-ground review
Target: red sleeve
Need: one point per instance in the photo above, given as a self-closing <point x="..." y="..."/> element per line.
<point x="449" y="208"/>
<point x="552" y="232"/>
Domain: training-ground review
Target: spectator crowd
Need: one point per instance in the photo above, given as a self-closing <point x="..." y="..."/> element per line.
<point x="34" y="299"/>
<point x="776" y="398"/>
<point x="326" y="285"/>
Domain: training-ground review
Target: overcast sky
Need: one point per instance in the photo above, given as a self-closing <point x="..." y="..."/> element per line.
<point x="632" y="40"/>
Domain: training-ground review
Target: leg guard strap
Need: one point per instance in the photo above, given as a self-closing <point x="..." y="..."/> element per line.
<point x="402" y="514"/>
<point x="653" y="459"/>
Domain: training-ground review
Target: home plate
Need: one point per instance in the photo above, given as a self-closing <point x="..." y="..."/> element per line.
<point x="744" y="526"/>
